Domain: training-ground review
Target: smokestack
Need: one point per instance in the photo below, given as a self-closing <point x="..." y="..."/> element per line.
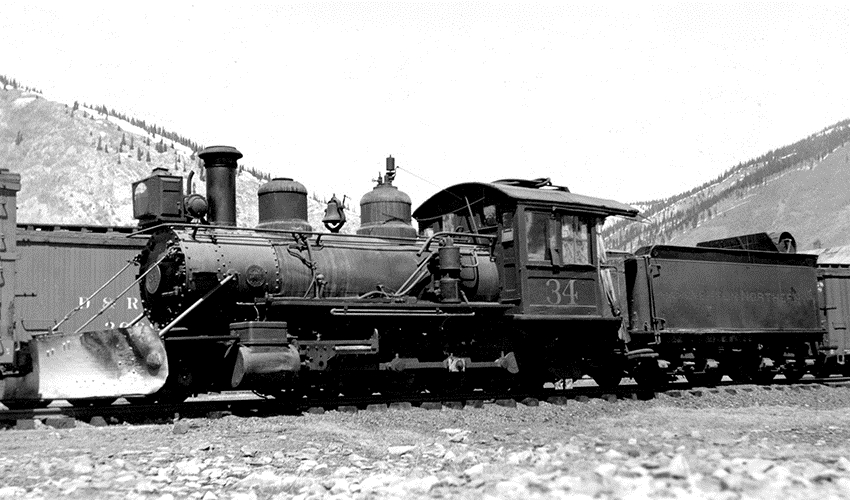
<point x="220" y="165"/>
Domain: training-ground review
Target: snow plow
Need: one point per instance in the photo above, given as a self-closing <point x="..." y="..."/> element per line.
<point x="42" y="363"/>
<point x="90" y="365"/>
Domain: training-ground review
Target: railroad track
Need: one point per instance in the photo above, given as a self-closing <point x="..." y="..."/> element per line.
<point x="248" y="404"/>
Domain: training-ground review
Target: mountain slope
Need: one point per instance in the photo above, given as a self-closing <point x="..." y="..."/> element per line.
<point x="799" y="188"/>
<point x="77" y="164"/>
<point x="812" y="202"/>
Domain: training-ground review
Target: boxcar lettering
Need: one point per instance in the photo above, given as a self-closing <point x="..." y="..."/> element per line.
<point x="133" y="303"/>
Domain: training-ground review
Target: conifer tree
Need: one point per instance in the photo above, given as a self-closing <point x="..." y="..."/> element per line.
<point x="99" y="145"/>
<point x="148" y="157"/>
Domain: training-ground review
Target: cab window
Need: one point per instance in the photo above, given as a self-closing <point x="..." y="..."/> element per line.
<point x="490" y="216"/>
<point x="575" y="235"/>
<point x="535" y="236"/>
<point x="557" y="238"/>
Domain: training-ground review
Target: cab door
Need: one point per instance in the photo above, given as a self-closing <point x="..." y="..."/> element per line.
<point x="559" y="271"/>
<point x="507" y="259"/>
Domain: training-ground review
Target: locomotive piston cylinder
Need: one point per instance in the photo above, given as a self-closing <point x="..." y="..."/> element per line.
<point x="220" y="165"/>
<point x="263" y="356"/>
<point x="258" y="365"/>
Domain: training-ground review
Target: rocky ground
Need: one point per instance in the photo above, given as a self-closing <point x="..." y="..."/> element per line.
<point x="743" y="443"/>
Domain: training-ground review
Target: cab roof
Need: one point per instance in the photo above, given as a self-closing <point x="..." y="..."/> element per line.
<point x="454" y="198"/>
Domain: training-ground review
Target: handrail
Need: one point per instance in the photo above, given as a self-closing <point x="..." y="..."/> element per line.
<point x="194" y="306"/>
<point x="83" y="302"/>
<point x="186" y="225"/>
<point x="113" y="301"/>
<point x="440" y="234"/>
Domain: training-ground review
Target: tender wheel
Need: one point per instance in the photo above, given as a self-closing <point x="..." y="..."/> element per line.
<point x="746" y="369"/>
<point x="710" y="376"/>
<point x="648" y="375"/>
<point x="824" y="369"/>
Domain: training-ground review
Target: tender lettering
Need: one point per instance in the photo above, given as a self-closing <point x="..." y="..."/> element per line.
<point x="777" y="298"/>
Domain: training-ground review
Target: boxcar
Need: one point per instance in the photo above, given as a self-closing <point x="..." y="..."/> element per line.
<point x="835" y="299"/>
<point x="59" y="267"/>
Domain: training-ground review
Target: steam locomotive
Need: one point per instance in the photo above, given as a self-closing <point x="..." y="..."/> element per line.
<point x="505" y="285"/>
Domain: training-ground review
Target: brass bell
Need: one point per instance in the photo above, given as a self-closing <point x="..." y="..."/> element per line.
<point x="334" y="215"/>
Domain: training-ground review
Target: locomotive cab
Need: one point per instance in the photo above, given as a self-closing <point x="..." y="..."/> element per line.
<point x="544" y="239"/>
<point x="558" y="294"/>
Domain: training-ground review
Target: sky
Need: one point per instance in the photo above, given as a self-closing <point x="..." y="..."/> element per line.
<point x="628" y="101"/>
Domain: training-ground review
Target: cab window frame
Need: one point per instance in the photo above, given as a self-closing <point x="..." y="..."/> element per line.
<point x="545" y="237"/>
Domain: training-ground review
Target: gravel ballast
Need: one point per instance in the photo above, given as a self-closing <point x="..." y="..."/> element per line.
<point x="746" y="442"/>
